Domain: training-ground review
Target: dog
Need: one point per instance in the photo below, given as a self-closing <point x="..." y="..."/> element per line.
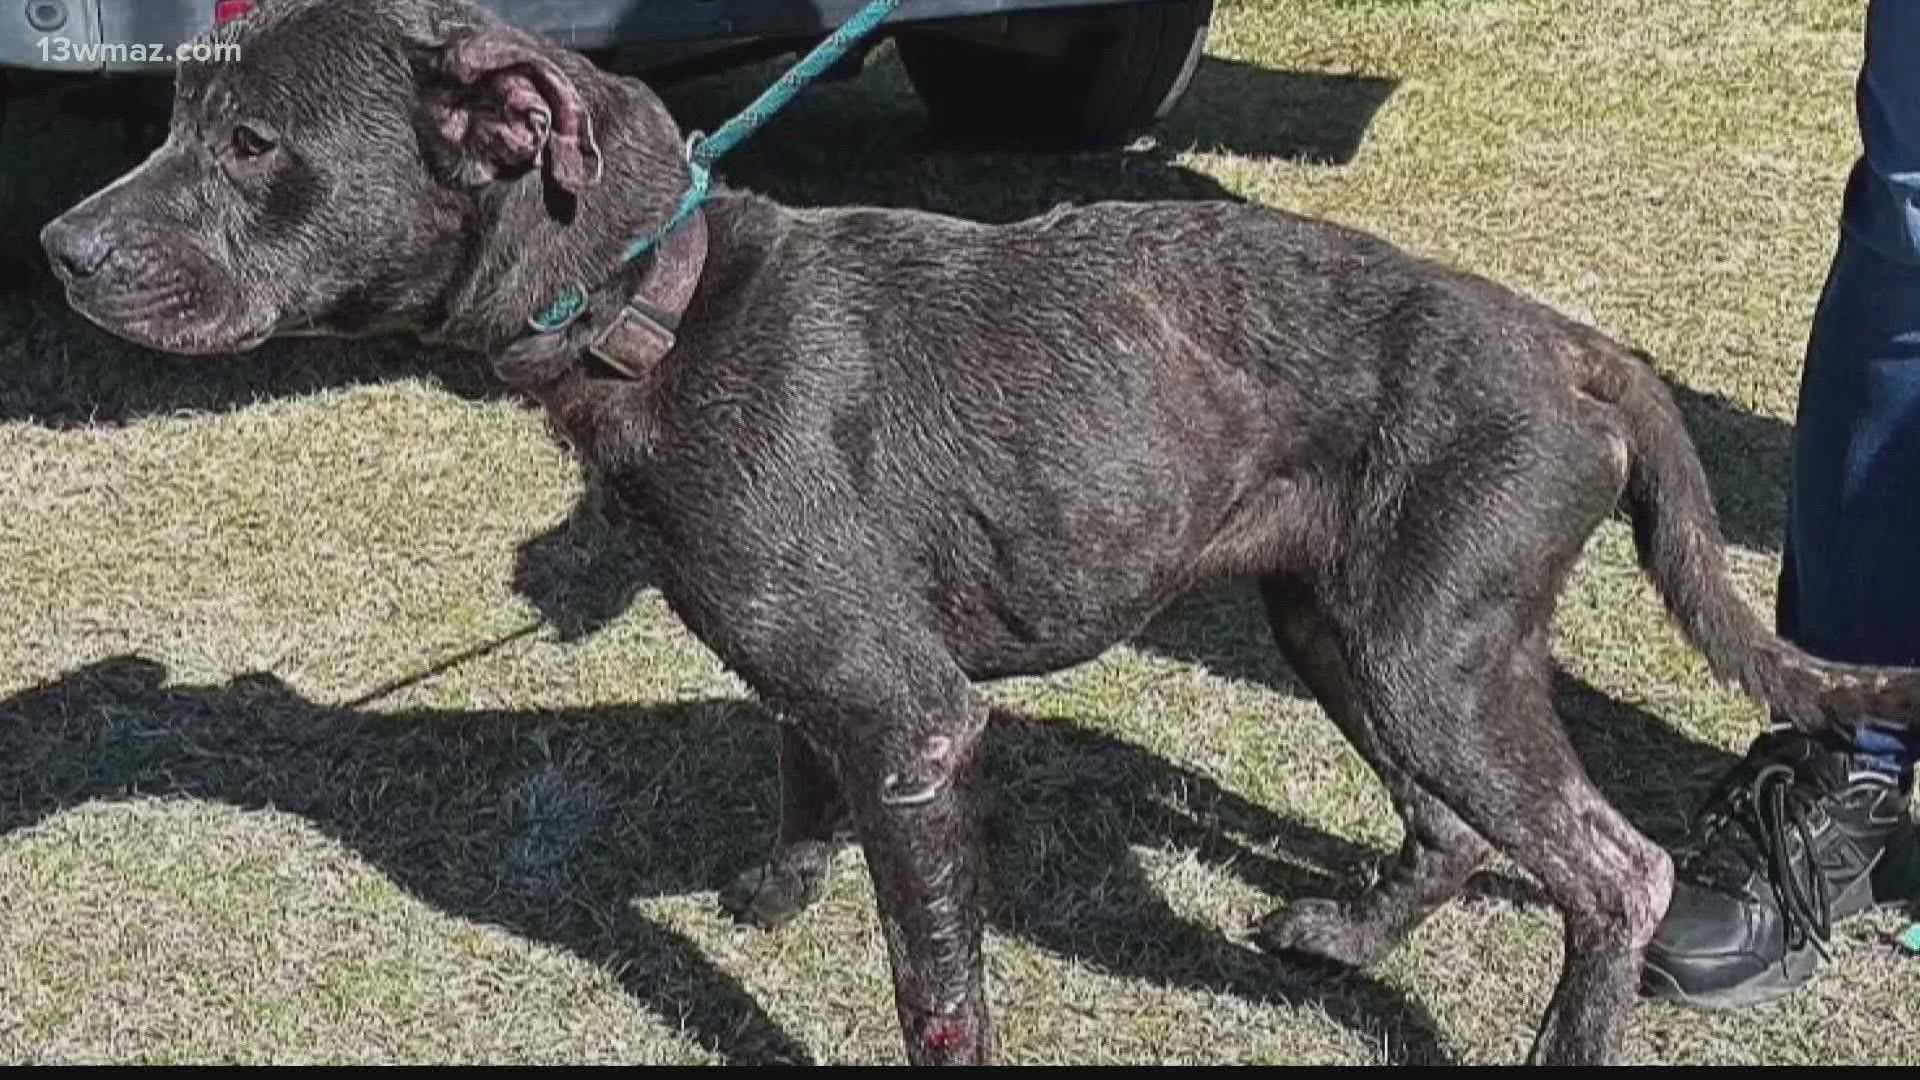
<point x="881" y="456"/>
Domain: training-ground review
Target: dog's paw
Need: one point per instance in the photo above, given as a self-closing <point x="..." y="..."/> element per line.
<point x="771" y="895"/>
<point x="1318" y="930"/>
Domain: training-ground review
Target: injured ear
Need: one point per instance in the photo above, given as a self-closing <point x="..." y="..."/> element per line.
<point x="513" y="108"/>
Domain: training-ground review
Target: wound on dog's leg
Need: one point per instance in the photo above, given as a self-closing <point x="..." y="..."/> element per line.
<point x="946" y="1034"/>
<point x="925" y="779"/>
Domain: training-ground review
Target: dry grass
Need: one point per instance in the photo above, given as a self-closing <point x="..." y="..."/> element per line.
<point x="205" y="855"/>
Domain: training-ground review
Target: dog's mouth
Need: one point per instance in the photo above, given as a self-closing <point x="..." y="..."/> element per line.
<point x="174" y="312"/>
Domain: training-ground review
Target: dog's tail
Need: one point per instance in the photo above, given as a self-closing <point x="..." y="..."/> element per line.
<point x="1677" y="535"/>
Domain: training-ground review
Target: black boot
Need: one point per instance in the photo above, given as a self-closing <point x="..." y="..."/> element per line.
<point x="1789" y="843"/>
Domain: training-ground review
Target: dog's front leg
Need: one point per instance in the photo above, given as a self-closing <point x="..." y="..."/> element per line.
<point x="912" y="786"/>
<point x="811" y="810"/>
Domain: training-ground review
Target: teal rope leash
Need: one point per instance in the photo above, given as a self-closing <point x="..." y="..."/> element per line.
<point x="788" y="86"/>
<point x="703" y="151"/>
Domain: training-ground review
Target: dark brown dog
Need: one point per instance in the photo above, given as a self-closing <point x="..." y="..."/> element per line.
<point x="891" y="454"/>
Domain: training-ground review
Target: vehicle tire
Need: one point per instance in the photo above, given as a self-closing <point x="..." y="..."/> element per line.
<point x="1111" y="72"/>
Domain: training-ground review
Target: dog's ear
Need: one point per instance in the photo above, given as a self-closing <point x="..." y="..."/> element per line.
<point x="502" y="104"/>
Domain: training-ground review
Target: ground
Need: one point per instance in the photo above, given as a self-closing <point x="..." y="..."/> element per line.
<point x="218" y="843"/>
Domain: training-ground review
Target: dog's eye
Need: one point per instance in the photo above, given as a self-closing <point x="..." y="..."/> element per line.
<point x="249" y="143"/>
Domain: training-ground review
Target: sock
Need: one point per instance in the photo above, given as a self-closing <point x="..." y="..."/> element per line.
<point x="1884" y="751"/>
<point x="1879" y="752"/>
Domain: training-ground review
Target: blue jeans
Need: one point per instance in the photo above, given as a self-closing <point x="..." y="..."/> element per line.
<point x="1850" y="579"/>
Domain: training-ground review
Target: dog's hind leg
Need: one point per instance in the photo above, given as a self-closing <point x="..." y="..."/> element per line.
<point x="811" y="811"/>
<point x="1431" y="637"/>
<point x="1436" y="857"/>
<point x="1507" y="768"/>
<point x="1461" y="705"/>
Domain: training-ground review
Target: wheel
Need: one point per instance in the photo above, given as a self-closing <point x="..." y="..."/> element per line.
<point x="1075" y="78"/>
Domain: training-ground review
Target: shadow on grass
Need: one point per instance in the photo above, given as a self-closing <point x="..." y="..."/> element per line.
<point x="548" y="823"/>
<point x="1748" y="459"/>
<point x="1250" y="111"/>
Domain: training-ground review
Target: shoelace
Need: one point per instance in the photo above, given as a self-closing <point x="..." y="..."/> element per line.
<point x="1772" y="809"/>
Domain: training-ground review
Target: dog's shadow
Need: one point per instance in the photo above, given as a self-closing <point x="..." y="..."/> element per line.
<point x="548" y="823"/>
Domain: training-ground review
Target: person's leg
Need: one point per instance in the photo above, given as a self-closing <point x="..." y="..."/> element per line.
<point x="1850" y="572"/>
<point x="1800" y="833"/>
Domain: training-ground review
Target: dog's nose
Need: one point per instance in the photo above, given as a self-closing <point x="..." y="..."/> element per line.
<point x="76" y="251"/>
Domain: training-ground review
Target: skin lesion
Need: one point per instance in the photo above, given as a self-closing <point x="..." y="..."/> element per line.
<point x="945" y="1034"/>
<point x="919" y="787"/>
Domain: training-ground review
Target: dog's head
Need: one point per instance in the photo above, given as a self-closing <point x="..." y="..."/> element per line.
<point x="347" y="167"/>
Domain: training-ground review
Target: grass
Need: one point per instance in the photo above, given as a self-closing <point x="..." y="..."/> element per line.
<point x="208" y="854"/>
